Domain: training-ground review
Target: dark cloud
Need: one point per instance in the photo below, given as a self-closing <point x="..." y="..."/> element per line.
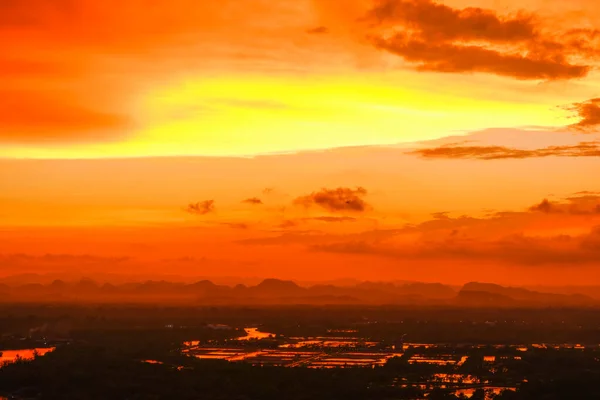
<point x="583" y="149"/>
<point x="449" y="57"/>
<point x="440" y="22"/>
<point x="318" y="30"/>
<point x="335" y="200"/>
<point x="588" y="113"/>
<point x="583" y="205"/>
<point x="440" y="215"/>
<point x="545" y="206"/>
<point x="437" y="37"/>
<point x="253" y="200"/>
<point x="201" y="207"/>
<point x="269" y="190"/>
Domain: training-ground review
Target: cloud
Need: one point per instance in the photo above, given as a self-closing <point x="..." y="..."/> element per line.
<point x="288" y="223"/>
<point x="61" y="258"/>
<point x="333" y="219"/>
<point x="563" y="233"/>
<point x="201" y="207"/>
<point x="16" y="67"/>
<point x="351" y="247"/>
<point x="59" y="262"/>
<point x="318" y="30"/>
<point x="512" y="249"/>
<point x="472" y="58"/>
<point x="583" y="205"/>
<point x="335" y="200"/>
<point x="106" y="53"/>
<point x="293" y="223"/>
<point x="589" y="114"/>
<point x="235" y="225"/>
<point x="440" y="215"/>
<point x="299" y="237"/>
<point x="253" y="200"/>
<point x="437" y="37"/>
<point x="544" y="206"/>
<point x="35" y="117"/>
<point x="440" y="22"/>
<point x="453" y="151"/>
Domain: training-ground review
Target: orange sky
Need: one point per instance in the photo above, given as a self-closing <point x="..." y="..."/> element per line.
<point x="305" y="139"/>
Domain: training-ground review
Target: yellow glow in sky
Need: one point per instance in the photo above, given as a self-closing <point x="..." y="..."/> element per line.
<point x="252" y="115"/>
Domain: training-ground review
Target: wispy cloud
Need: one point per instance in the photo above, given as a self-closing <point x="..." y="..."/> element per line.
<point x="201" y="207"/>
<point x="333" y="219"/>
<point x="253" y="200"/>
<point x="318" y="30"/>
<point x="583" y="149"/>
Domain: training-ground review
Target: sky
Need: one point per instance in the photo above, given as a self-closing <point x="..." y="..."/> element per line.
<point x="438" y="141"/>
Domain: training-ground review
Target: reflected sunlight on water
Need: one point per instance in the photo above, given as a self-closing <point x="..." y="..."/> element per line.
<point x="8" y="356"/>
<point x="254" y="333"/>
<point x="491" y="391"/>
<point x="152" y="362"/>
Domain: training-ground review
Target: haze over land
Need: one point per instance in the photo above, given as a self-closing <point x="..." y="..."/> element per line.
<point x="273" y="292"/>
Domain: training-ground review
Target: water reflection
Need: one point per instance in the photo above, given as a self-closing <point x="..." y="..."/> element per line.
<point x="9" y="356"/>
<point x="490" y="391"/>
<point x="254" y="333"/>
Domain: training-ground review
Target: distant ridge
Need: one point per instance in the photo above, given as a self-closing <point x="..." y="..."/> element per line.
<point x="492" y="294"/>
<point x="276" y="291"/>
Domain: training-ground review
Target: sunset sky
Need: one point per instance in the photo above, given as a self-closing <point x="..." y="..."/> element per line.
<point x="439" y="141"/>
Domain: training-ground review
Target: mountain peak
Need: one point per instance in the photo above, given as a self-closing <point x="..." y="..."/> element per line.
<point x="272" y="283"/>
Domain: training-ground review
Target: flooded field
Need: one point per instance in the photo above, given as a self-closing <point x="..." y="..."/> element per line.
<point x="347" y="349"/>
<point x="438" y="360"/>
<point x="254" y="333"/>
<point x="8" y="356"/>
<point x="293" y="358"/>
<point x="490" y="391"/>
<point x="328" y="341"/>
<point x="313" y="352"/>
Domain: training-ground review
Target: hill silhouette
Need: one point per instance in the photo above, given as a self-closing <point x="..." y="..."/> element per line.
<point x="276" y="291"/>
